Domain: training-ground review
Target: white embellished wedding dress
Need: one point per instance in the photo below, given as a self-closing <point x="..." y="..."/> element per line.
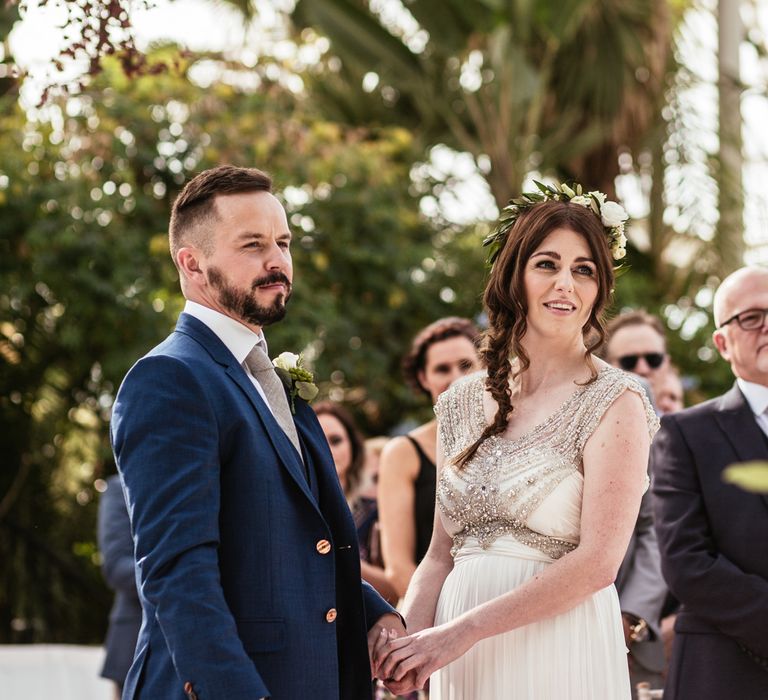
<point x="511" y="511"/>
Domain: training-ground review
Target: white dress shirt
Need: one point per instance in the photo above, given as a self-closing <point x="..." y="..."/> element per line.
<point x="757" y="398"/>
<point x="238" y="338"/>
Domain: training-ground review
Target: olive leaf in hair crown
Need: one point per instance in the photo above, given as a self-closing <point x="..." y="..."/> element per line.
<point x="611" y="214"/>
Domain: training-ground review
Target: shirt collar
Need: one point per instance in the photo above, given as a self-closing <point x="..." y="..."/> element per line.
<point x="238" y="338"/>
<point x="756" y="396"/>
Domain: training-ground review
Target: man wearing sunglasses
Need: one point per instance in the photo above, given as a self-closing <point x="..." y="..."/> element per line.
<point x="636" y="343"/>
<point x="713" y="536"/>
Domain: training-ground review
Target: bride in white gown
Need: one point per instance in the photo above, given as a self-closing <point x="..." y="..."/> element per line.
<point x="543" y="461"/>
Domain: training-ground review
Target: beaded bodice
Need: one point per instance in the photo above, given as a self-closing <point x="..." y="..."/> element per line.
<point x="504" y="488"/>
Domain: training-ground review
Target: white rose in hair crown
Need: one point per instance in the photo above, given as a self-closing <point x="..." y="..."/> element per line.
<point x="296" y="378"/>
<point x="612" y="215"/>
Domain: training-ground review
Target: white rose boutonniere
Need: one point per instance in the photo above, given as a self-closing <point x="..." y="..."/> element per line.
<point x="296" y="378"/>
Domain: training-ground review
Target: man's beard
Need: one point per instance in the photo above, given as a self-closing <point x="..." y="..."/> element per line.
<point x="244" y="305"/>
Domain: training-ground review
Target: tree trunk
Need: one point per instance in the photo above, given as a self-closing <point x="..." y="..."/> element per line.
<point x="729" y="241"/>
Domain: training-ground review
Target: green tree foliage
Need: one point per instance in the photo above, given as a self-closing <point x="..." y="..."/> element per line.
<point x="9" y="14"/>
<point x="556" y="88"/>
<point x="88" y="287"/>
<point x="553" y="87"/>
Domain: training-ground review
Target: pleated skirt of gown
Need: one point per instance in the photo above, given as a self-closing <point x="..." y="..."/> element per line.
<point x="577" y="655"/>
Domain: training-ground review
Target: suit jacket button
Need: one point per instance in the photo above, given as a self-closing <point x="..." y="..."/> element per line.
<point x="323" y="546"/>
<point x="330" y="616"/>
<point x="189" y="690"/>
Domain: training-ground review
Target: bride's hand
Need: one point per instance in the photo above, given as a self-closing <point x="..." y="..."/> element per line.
<point x="378" y="655"/>
<point x="423" y="652"/>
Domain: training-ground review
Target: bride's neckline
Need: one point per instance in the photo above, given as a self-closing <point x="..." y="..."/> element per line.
<point x="538" y="427"/>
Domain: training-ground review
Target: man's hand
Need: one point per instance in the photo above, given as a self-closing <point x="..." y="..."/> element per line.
<point x="635" y="629"/>
<point x="387" y="627"/>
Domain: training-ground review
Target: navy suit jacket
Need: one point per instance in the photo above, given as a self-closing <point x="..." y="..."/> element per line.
<point x="234" y="578"/>
<point x="713" y="539"/>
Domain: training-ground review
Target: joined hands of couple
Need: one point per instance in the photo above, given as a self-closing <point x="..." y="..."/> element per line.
<point x="404" y="662"/>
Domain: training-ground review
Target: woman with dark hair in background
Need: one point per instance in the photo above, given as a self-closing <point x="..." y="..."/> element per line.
<point x="440" y="353"/>
<point x="348" y="451"/>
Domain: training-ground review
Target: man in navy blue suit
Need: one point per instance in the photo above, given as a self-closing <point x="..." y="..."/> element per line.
<point x="246" y="553"/>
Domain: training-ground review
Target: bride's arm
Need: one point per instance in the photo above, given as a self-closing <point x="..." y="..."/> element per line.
<point x="615" y="464"/>
<point x="427" y="581"/>
<point x="423" y="590"/>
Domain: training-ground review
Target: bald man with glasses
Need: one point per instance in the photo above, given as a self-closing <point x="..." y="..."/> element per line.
<point x="713" y="536"/>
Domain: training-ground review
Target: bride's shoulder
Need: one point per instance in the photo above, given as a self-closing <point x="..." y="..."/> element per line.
<point x="610" y="377"/>
<point x="466" y="388"/>
<point x="459" y="411"/>
<point x="616" y="387"/>
<point x="467" y="385"/>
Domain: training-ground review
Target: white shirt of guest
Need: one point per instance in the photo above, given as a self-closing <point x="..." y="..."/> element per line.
<point x="757" y="398"/>
<point x="238" y="338"/>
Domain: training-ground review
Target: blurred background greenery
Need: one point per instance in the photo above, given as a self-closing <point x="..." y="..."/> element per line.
<point x="360" y="140"/>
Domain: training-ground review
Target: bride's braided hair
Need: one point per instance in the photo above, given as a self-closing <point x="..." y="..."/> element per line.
<point x="506" y="304"/>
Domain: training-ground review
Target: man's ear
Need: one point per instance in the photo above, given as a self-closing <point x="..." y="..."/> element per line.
<point x="721" y="343"/>
<point x="188" y="261"/>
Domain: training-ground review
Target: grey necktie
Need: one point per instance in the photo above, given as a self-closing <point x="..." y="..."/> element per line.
<point x="264" y="372"/>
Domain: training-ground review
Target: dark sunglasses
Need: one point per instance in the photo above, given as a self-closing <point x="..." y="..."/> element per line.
<point x="652" y="359"/>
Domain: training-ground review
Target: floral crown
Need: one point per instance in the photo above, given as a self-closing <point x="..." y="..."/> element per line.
<point x="611" y="214"/>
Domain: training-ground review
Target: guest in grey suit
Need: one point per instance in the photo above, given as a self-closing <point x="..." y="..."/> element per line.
<point x="116" y="546"/>
<point x="713" y="536"/>
<point x="637" y="343"/>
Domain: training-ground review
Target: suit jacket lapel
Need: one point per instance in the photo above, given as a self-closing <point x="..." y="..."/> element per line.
<point x="314" y="442"/>
<point x="325" y="472"/>
<point x="221" y="354"/>
<point x="737" y="421"/>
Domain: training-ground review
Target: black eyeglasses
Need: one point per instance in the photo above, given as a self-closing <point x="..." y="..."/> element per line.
<point x="749" y="320"/>
<point x="652" y="359"/>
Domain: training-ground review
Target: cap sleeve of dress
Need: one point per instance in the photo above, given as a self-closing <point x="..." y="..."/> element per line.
<point x="458" y="410"/>
<point x="610" y="384"/>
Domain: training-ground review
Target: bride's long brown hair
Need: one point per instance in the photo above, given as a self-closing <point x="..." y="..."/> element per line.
<point x="507" y="308"/>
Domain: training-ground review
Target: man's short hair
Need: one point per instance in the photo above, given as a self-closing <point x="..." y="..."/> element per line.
<point x="638" y="317"/>
<point x="194" y="209"/>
